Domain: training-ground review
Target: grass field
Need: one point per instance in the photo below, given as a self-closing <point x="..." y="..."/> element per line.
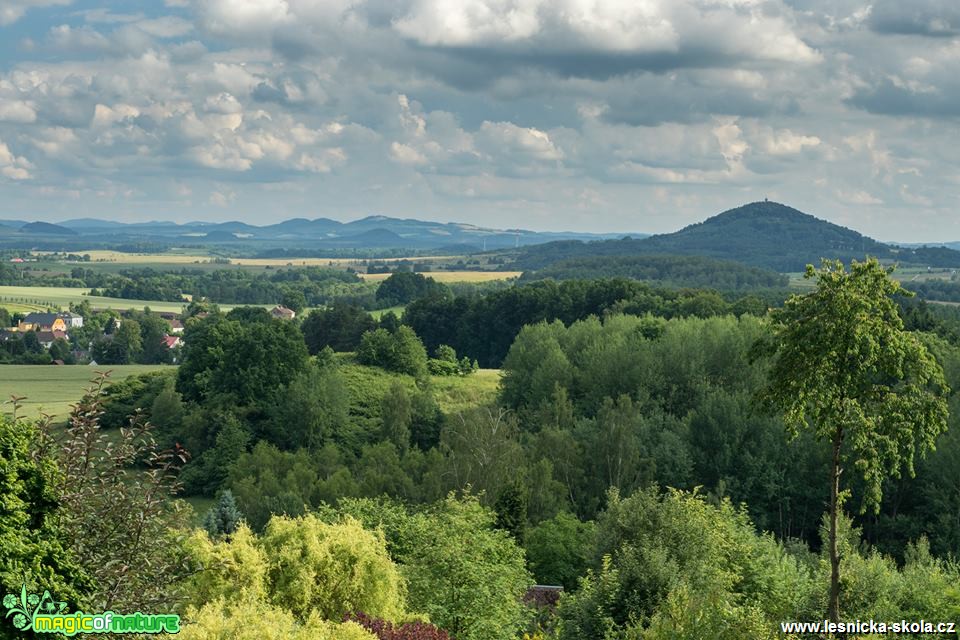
<point x="39" y="298"/>
<point x="453" y="276"/>
<point x="379" y="313"/>
<point x="53" y="389"/>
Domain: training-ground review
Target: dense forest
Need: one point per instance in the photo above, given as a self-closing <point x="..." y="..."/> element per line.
<point x="621" y="452"/>
<point x="669" y="271"/>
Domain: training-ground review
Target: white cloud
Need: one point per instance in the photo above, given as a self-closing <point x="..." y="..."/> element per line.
<point x="13" y="167"/>
<point x="786" y="142"/>
<point x="405" y="154"/>
<point x="13" y="10"/>
<point x="509" y="139"/>
<point x="17" y="111"/>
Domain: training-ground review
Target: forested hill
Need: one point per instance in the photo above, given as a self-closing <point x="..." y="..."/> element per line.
<point x="761" y="234"/>
<point x="672" y="271"/>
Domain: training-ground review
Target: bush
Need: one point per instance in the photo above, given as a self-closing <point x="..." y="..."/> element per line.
<point x="401" y="351"/>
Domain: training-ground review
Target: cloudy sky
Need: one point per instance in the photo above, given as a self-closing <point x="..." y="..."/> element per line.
<point x="605" y="115"/>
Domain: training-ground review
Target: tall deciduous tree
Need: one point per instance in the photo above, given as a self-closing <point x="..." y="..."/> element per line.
<point x="844" y="368"/>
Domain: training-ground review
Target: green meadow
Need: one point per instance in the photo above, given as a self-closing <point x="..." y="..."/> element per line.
<point x="53" y="389"/>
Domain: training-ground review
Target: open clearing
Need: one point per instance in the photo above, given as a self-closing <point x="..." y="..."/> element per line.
<point x="452" y="276"/>
<point x="52" y="389"/>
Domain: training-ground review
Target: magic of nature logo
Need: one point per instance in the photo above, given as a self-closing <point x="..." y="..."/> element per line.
<point x="44" y="614"/>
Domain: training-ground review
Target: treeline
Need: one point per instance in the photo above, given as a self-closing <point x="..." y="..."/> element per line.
<point x="664" y="270"/>
<point x="483" y="327"/>
<point x="295" y="288"/>
<point x="935" y="289"/>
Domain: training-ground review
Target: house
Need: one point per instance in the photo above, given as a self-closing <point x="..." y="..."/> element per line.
<point x="172" y="342"/>
<point x="175" y="326"/>
<point x="16" y="260"/>
<point x="71" y="319"/>
<point x="282" y="313"/>
<point x="43" y="322"/>
<point x="47" y="338"/>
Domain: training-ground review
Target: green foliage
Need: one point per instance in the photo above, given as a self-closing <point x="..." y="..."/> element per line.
<point x="401" y="352"/>
<point x="845" y="370"/>
<point x="673" y="271"/>
<point x="207" y="472"/>
<point x="224" y="517"/>
<point x="339" y="327"/>
<point x="305" y="566"/>
<point x="311" y="411"/>
<point x="560" y="550"/>
<point x="670" y="562"/>
<point x="123" y="346"/>
<point x="397" y="414"/>
<point x="267" y="481"/>
<point x="403" y="287"/>
<point x="446" y="364"/>
<point x="121" y="517"/>
<point x="463" y="572"/>
<point x="35" y="544"/>
<point x="241" y="620"/>
<point x="249" y="362"/>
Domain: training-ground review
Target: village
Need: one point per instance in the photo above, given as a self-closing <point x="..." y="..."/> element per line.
<point x="83" y="335"/>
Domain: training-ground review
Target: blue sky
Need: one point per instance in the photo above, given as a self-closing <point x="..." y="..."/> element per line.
<point x="602" y="115"/>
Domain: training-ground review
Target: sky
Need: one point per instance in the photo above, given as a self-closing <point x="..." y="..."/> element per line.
<point x="585" y="115"/>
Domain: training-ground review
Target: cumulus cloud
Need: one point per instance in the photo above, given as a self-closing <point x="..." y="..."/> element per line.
<point x="592" y="114"/>
<point x="13" y="167"/>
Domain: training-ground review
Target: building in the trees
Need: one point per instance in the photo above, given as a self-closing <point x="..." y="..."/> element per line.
<point x="282" y="313"/>
<point x="43" y="322"/>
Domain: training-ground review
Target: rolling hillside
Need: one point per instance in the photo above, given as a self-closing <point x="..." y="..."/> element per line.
<point x="759" y="234"/>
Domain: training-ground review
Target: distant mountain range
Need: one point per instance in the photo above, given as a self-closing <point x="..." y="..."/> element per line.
<point x="765" y="234"/>
<point x="297" y="233"/>
<point x="760" y="234"/>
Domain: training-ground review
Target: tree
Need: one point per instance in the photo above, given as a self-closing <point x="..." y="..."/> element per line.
<point x="121" y="517"/>
<point x="122" y="347"/>
<point x="559" y="550"/>
<point x="310" y="411"/>
<point x="844" y="368"/>
<point x="396" y="412"/>
<point x="401" y="351"/>
<point x="34" y="543"/>
<point x="464" y="573"/>
<point x="293" y="299"/>
<point x="224" y="517"/>
<point x="404" y="286"/>
<point x="339" y="327"/>
<point x="153" y="328"/>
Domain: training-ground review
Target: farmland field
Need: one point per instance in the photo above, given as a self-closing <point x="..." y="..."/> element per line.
<point x="185" y="260"/>
<point x="39" y="298"/>
<point x="453" y="276"/>
<point x="52" y="389"/>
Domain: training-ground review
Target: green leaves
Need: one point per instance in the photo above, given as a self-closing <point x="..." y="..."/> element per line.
<point x="842" y="364"/>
